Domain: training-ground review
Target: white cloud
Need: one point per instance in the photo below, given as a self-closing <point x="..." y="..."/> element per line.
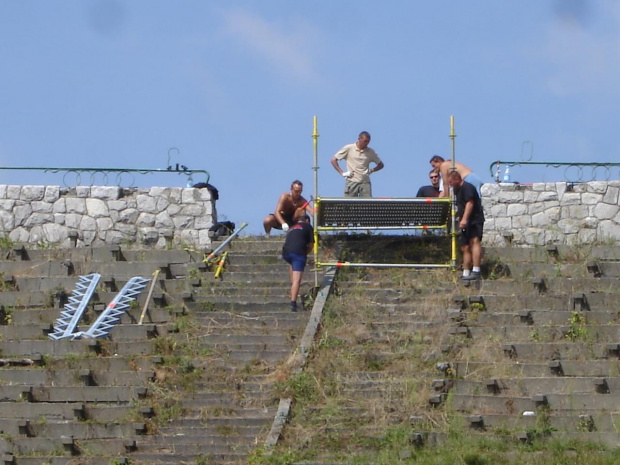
<point x="285" y="50"/>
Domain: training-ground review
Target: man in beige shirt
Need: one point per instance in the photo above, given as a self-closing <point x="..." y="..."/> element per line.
<point x="358" y="157"/>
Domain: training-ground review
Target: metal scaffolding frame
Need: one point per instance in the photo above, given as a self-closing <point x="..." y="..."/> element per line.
<point x="340" y="214"/>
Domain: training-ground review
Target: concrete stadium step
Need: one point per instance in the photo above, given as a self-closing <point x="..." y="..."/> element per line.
<point x="566" y="368"/>
<point x="219" y="400"/>
<point x="492" y="404"/>
<point x="531" y="317"/>
<point x="213" y="286"/>
<point x="271" y="338"/>
<point x="51" y="284"/>
<point x="31" y="331"/>
<point x="74" y="347"/>
<point x="539" y="351"/>
<point x="105" y="254"/>
<point x="583" y="403"/>
<point x="37" y="268"/>
<point x="190" y="446"/>
<point x="217" y="300"/>
<point x="609" y="439"/>
<point x="576" y="301"/>
<point x="251" y="308"/>
<point x="280" y="276"/>
<point x="260" y="268"/>
<point x="523" y="387"/>
<point x="93" y="394"/>
<point x="260" y="258"/>
<point x="40" y="318"/>
<point x="251" y="417"/>
<point x="26" y="299"/>
<point x="221" y="433"/>
<point x="477" y="369"/>
<point x="80" y="431"/>
<point x="49" y="446"/>
<point x="254" y="244"/>
<point x="165" y="455"/>
<point x="104" y="364"/>
<point x="267" y="357"/>
<point x="51" y="411"/>
<point x="79" y="377"/>
<point x="544" y="270"/>
<point x="513" y="333"/>
<point x="256" y="346"/>
<point x="105" y="460"/>
<point x="601" y="422"/>
<point x="539" y="285"/>
<point x="276" y="319"/>
<point x="550" y="253"/>
<point x="21" y="252"/>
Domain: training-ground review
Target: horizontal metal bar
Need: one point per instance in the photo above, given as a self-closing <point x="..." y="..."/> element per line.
<point x="385" y="199"/>
<point x="383" y="265"/>
<point x="372" y="228"/>
<point x="105" y="171"/>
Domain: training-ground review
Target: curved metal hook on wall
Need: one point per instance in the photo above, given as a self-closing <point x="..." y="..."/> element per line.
<point x="178" y="153"/>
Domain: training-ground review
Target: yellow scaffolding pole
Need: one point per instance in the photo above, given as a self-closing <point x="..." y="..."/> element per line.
<point x="453" y="196"/>
<point x="315" y="248"/>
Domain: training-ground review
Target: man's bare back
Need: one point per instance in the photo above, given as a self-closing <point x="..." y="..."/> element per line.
<point x="444" y="167"/>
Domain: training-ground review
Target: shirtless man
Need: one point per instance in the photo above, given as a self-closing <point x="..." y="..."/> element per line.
<point x="290" y="204"/>
<point x="444" y="167"/>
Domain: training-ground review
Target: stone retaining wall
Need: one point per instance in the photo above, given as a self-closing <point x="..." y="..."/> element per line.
<point x="92" y="216"/>
<point x="551" y="213"/>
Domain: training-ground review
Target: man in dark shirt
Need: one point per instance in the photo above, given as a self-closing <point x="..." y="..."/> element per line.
<point x="297" y="245"/>
<point x="471" y="224"/>
<point x="433" y="189"/>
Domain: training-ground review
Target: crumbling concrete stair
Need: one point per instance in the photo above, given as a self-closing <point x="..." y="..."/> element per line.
<point x="532" y="349"/>
<point x="556" y="348"/>
<point x="246" y="329"/>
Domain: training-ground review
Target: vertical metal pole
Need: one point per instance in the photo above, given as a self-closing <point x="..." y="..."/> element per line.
<point x="452" y="196"/>
<point x="315" y="137"/>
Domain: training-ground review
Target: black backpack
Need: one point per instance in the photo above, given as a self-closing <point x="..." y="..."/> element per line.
<point x="223" y="228"/>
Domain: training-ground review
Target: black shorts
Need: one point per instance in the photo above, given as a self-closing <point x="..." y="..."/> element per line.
<point x="472" y="230"/>
<point x="287" y="218"/>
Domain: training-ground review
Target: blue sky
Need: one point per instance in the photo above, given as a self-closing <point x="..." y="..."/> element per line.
<point x="234" y="85"/>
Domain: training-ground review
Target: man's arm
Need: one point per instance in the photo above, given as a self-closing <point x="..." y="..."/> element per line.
<point x="279" y="207"/>
<point x="305" y="206"/>
<point x="379" y="167"/>
<point x="469" y="206"/>
<point x="336" y="165"/>
<point x="444" y="179"/>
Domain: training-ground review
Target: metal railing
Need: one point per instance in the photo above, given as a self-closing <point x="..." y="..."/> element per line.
<point x="574" y="172"/>
<point x="105" y="173"/>
<point x="193" y="176"/>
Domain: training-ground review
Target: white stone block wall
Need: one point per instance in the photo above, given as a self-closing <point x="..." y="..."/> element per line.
<point x="551" y="213"/>
<point x="82" y="216"/>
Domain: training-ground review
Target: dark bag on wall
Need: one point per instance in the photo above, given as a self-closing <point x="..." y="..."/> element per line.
<point x="215" y="195"/>
<point x="223" y="228"/>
